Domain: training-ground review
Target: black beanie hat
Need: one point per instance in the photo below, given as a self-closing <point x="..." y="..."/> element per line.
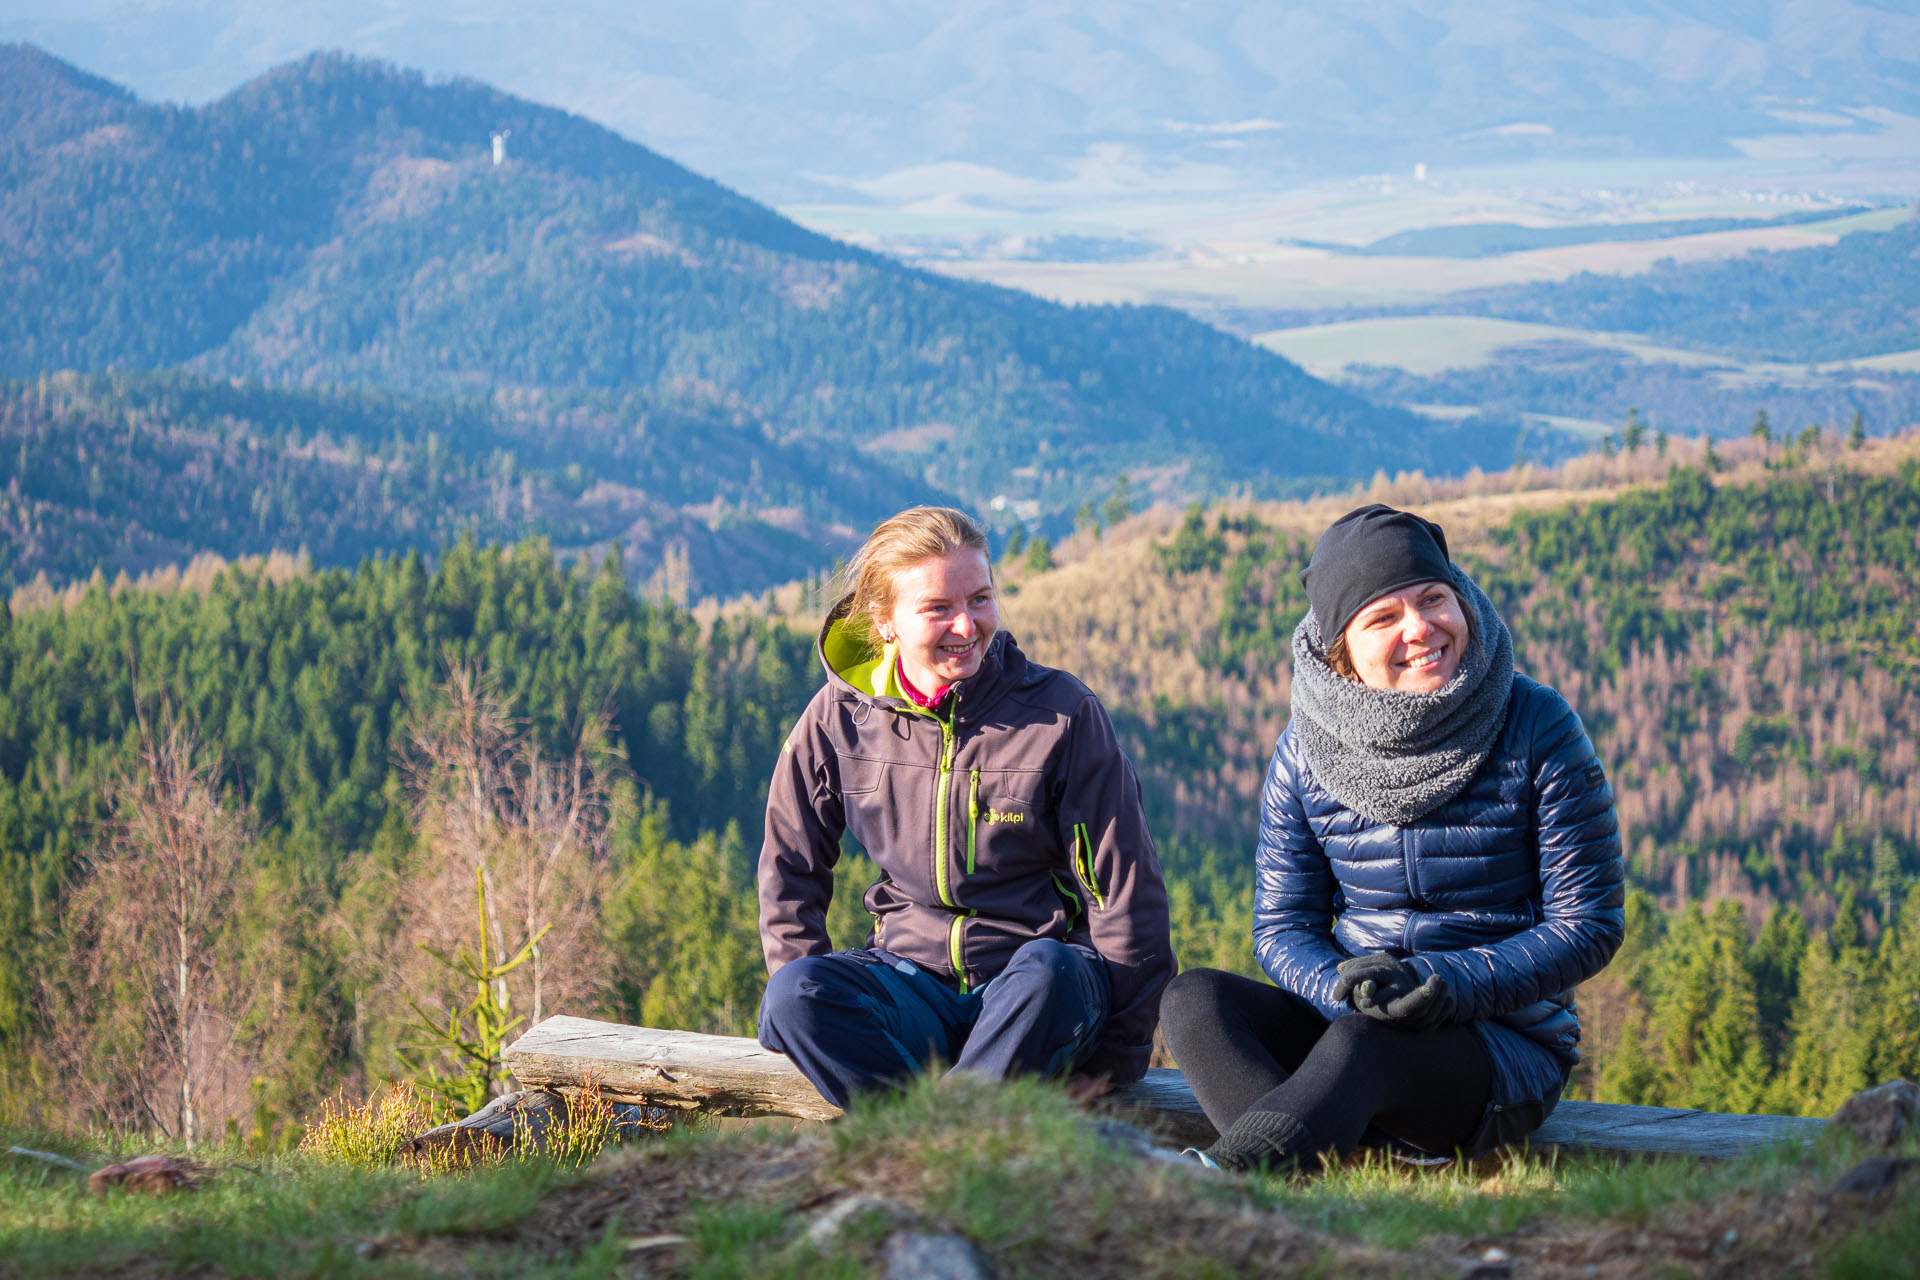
<point x="1367" y="553"/>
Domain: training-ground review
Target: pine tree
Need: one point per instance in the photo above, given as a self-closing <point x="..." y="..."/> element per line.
<point x="1634" y="432"/>
<point x="1730" y="1068"/>
<point x="1119" y="503"/>
<point x="1833" y="1027"/>
<point x="1775" y="960"/>
<point x="1896" y="1044"/>
<point x="1762" y="431"/>
<point x="1630" y="1074"/>
<point x="1681" y="981"/>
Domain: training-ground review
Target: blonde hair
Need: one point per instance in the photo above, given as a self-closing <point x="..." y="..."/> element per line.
<point x="897" y="544"/>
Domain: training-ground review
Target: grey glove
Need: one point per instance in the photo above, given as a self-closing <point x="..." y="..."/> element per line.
<point x="1376" y="976"/>
<point x="1390" y="991"/>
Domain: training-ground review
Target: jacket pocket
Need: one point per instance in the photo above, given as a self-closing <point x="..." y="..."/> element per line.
<point x="1083" y="865"/>
<point x="860" y="776"/>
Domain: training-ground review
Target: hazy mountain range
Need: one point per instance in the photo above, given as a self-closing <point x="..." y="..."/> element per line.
<point x="339" y="223"/>
<point x="788" y="101"/>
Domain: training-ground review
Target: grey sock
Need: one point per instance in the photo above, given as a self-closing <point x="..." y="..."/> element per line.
<point x="1269" y="1140"/>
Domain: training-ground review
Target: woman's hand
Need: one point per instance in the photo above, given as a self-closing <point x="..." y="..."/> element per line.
<point x="1087" y="1088"/>
<point x="1370" y="981"/>
<point x="1388" y="990"/>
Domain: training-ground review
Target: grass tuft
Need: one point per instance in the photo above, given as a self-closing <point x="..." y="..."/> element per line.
<point x="577" y="1141"/>
<point x="370" y="1134"/>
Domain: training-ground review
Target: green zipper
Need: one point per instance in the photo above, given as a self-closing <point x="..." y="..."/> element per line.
<point x="941" y="783"/>
<point x="953" y="950"/>
<point x="973" y="816"/>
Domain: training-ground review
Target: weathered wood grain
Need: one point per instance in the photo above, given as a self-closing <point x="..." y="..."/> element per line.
<point x="727" y="1075"/>
<point x="1615" y="1128"/>
<point x="732" y="1075"/>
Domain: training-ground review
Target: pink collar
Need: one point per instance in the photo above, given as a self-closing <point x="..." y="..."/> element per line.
<point x="918" y="698"/>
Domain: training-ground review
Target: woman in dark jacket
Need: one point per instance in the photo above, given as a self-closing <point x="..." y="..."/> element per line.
<point x="1438" y="866"/>
<point x="1020" y="922"/>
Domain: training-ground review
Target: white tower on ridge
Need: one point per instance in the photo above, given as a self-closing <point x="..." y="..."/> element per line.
<point x="500" y="146"/>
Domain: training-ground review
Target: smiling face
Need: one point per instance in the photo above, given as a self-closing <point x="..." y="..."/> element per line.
<point x="943" y="615"/>
<point x="1409" y="641"/>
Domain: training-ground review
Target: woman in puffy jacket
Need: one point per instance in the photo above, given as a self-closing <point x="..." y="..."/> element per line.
<point x="1438" y="867"/>
<point x="1020" y="922"/>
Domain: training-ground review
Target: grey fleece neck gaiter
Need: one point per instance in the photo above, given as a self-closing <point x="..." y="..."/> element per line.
<point x="1393" y="756"/>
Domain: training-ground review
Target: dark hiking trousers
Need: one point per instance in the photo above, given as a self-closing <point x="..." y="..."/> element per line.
<point x="1249" y="1047"/>
<point x="856" y="1021"/>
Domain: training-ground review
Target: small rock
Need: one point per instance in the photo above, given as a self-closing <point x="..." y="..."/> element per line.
<point x="155" y="1174"/>
<point x="1126" y="1139"/>
<point x="1883" y="1115"/>
<point x="1873" y="1175"/>
<point x="774" y="1171"/>
<point x="834" y="1220"/>
<point x="916" y="1256"/>
<point x="1494" y="1253"/>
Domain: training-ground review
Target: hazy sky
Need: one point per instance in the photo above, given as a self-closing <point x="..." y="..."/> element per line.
<point x="769" y="94"/>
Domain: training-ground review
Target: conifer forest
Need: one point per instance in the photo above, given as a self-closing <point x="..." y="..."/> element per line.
<point x="1737" y="632"/>
<point x="414" y="550"/>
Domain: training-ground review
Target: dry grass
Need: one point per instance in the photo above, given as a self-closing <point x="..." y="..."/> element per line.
<point x="370" y="1133"/>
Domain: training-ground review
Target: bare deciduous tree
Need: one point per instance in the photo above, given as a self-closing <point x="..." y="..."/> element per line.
<point x="487" y="798"/>
<point x="151" y="1009"/>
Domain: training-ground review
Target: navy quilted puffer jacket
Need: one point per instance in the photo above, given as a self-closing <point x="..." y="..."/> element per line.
<point x="1512" y="890"/>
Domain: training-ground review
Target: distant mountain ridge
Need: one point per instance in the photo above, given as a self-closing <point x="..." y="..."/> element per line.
<point x="791" y="101"/>
<point x="341" y="222"/>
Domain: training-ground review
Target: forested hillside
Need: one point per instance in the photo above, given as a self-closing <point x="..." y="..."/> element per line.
<point x="123" y="472"/>
<point x="1742" y="649"/>
<point x="342" y="222"/>
<point x="1842" y="302"/>
<point x="1595" y="384"/>
<point x="308" y="696"/>
<point x="1494" y="239"/>
<point x="1735" y="629"/>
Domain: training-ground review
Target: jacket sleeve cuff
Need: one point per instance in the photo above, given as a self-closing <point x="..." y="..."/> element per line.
<point x="1117" y="1062"/>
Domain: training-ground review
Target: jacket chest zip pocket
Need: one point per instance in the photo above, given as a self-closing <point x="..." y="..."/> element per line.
<point x="1083" y="864"/>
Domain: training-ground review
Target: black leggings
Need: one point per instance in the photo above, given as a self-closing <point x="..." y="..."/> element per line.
<point x="1248" y="1046"/>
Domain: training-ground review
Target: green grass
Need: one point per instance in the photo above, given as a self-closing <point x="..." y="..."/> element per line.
<point x="290" y="1214"/>
<point x="1015" y="1168"/>
<point x="988" y="1160"/>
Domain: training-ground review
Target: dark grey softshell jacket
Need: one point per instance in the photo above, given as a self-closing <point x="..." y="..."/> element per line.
<point x="1016" y="818"/>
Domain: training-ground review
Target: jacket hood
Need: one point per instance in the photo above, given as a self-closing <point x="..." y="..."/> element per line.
<point x="856" y="666"/>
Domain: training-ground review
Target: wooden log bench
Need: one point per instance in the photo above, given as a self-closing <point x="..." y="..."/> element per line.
<point x="732" y="1075"/>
